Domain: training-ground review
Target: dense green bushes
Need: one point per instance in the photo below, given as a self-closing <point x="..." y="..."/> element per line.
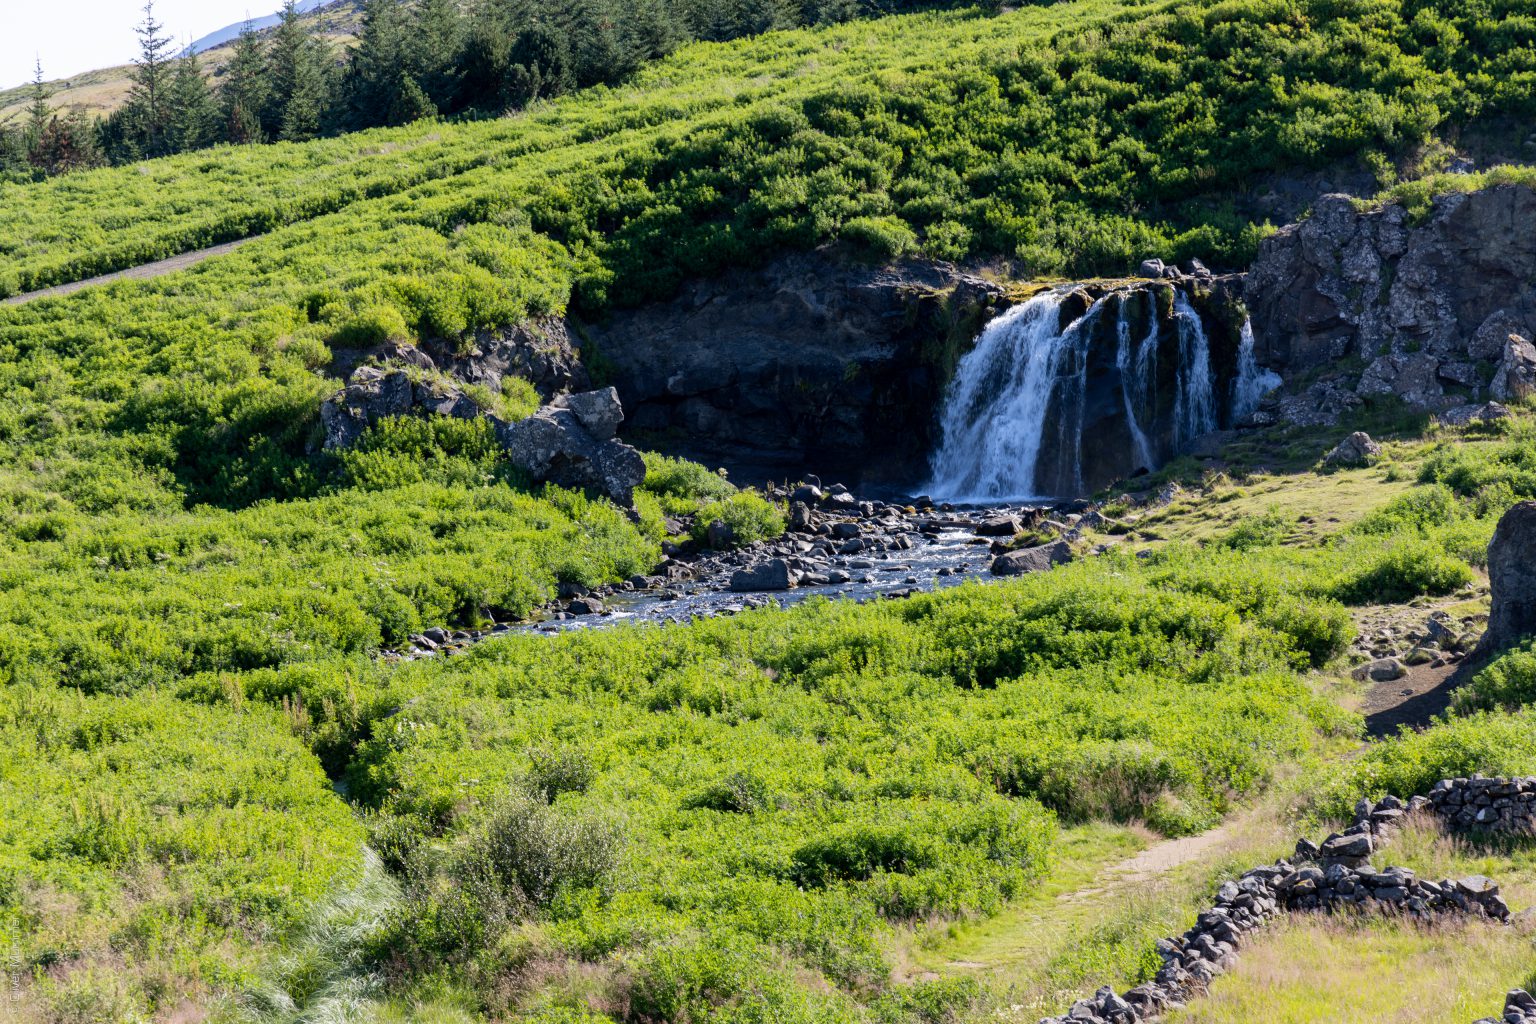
<point x="158" y="840"/>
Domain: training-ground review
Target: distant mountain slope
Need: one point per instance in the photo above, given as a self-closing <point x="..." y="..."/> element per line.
<point x="104" y="90"/>
<point x="229" y="33"/>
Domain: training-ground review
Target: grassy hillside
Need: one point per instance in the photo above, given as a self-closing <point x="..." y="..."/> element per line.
<point x="217" y="802"/>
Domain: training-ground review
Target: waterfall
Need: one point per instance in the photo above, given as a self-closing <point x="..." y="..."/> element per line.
<point x="1195" y="405"/>
<point x="1253" y="381"/>
<point x="1138" y="374"/>
<point x="1034" y="404"/>
<point x="994" y="419"/>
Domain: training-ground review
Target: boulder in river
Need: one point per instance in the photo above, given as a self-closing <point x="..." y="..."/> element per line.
<point x="772" y="575"/>
<point x="1028" y="560"/>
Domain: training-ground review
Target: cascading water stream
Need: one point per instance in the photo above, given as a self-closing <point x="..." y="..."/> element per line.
<point x="1014" y="420"/>
<point x="994" y="418"/>
<point x="1195" y="404"/>
<point x="1138" y="373"/>
<point x="1253" y="381"/>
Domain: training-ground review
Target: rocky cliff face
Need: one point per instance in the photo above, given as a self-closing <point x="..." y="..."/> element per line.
<point x="808" y="364"/>
<point x="1350" y="304"/>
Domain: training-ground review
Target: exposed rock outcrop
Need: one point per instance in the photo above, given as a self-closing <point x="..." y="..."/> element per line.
<point x="376" y="393"/>
<point x="1367" y="303"/>
<point x="808" y="363"/>
<point x="1512" y="580"/>
<point x="570" y="442"/>
<point x="540" y="352"/>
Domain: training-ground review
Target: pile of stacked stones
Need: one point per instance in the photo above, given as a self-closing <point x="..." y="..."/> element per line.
<point x="1494" y="805"/>
<point x="1519" y="1008"/>
<point x="1333" y="875"/>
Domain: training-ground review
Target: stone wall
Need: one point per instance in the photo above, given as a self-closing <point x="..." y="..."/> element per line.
<point x="1328" y="877"/>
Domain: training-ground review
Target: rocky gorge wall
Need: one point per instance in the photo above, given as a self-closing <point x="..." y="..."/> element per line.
<point x="807" y="364"/>
<point x="1357" y="303"/>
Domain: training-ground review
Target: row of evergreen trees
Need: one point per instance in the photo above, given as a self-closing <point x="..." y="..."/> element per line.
<point x="413" y="59"/>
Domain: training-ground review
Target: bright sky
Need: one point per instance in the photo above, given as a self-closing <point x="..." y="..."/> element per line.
<point x="72" y="36"/>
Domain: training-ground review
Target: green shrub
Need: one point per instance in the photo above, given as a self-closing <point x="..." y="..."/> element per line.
<point x="750" y="516"/>
<point x="526" y="854"/>
<point x="687" y="481"/>
<point x="883" y="238"/>
<point x="1420" y="510"/>
<point x="1263" y="531"/>
<point x="557" y="771"/>
<point x="857" y="852"/>
<point x="1508" y="683"/>
<point x="1398" y="570"/>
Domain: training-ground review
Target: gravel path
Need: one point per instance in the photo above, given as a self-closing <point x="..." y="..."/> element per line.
<point x="140" y="273"/>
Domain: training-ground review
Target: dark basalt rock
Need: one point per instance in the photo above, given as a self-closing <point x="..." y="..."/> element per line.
<point x="1512" y="579"/>
<point x="808" y="363"/>
<point x="1434" y="313"/>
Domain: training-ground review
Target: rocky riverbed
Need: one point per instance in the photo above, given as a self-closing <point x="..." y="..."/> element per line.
<point x="837" y="547"/>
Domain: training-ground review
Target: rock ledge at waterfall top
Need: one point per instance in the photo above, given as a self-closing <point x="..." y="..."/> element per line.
<point x="809" y="363"/>
<point x="1353" y="304"/>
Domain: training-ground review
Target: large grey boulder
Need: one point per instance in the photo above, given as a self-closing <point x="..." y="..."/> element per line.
<point x="1516" y="376"/>
<point x="553" y="445"/>
<point x="1028" y="560"/>
<point x="599" y="412"/>
<point x="1355" y="450"/>
<point x="772" y="575"/>
<point x="1512" y="577"/>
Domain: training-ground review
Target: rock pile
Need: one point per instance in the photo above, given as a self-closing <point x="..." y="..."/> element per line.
<point x="1331" y="876"/>
<point x="1493" y="805"/>
<point x="1390" y="643"/>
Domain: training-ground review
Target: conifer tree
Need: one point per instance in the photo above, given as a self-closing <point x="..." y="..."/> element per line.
<point x="38" y="111"/>
<point x="194" y="116"/>
<point x="373" y="78"/>
<point x="243" y="93"/>
<point x="147" y="120"/>
<point x="299" y="80"/>
<point x="437" y="34"/>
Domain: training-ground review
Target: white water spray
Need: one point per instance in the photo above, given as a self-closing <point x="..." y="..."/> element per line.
<point x="994" y="418"/>
<point x="1253" y="381"/>
<point x="1195" y="403"/>
<point x="1023" y="392"/>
